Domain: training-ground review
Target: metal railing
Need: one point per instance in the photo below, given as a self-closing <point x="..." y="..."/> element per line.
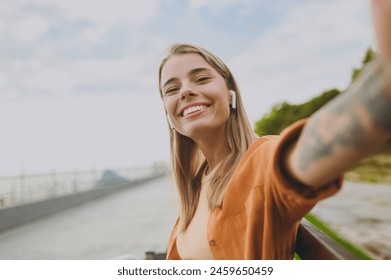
<point x="311" y="244"/>
<point x="23" y="189"/>
<point x="314" y="244"/>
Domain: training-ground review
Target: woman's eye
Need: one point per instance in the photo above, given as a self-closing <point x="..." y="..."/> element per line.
<point x="202" y="79"/>
<point x="171" y="91"/>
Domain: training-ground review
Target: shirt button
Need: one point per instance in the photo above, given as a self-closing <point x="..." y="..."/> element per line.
<point x="212" y="242"/>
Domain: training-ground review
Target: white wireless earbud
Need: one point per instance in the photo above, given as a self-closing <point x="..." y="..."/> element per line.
<point x="233" y="99"/>
<point x="170" y="121"/>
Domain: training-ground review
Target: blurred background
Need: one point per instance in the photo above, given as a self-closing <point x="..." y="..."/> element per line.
<point x="80" y="109"/>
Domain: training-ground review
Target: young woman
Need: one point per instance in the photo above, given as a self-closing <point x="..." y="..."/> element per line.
<point x="242" y="197"/>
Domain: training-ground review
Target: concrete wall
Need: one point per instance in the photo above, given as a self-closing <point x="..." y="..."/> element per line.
<point x="17" y="215"/>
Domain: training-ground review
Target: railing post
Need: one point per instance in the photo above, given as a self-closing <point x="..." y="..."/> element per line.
<point x="22" y="186"/>
<point x="53" y="189"/>
<point x="74" y="184"/>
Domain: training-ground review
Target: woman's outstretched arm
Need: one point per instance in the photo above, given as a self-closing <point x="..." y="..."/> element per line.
<point x="352" y="126"/>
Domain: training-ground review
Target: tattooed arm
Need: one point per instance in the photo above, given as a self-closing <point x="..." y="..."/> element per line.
<point x="352" y="126"/>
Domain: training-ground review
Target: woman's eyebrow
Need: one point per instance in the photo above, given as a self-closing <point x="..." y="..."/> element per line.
<point x="198" y="70"/>
<point x="169" y="81"/>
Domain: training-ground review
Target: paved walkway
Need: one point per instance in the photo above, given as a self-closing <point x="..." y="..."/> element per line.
<point x="131" y="221"/>
<point x="140" y="219"/>
<point x="361" y="213"/>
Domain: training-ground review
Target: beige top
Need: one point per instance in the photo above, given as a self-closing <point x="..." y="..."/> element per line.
<point x="193" y="242"/>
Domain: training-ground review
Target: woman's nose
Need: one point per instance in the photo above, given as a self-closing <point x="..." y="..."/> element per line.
<point x="187" y="92"/>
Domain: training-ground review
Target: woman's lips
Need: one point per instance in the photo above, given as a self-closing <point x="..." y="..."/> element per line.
<point x="193" y="109"/>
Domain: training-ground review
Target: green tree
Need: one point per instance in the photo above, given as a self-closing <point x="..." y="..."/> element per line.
<point x="284" y="114"/>
<point x="369" y="55"/>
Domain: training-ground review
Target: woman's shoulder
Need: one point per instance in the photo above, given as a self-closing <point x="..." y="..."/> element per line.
<point x="261" y="140"/>
<point x="287" y="135"/>
<point x="259" y="147"/>
<point x="265" y="138"/>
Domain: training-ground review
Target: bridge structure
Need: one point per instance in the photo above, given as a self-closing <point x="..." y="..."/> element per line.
<point x="123" y="216"/>
<point x="88" y="215"/>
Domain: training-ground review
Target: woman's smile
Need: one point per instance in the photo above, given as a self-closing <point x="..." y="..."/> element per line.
<point x="194" y="109"/>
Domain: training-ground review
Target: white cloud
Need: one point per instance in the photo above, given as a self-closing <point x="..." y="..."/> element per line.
<point x="29" y="29"/>
<point x="108" y="11"/>
<point x="94" y="34"/>
<point x="10" y="95"/>
<point x="45" y="51"/>
<point x="196" y="4"/>
<point x="52" y="79"/>
<point x="122" y="69"/>
<point x="216" y="5"/>
<point x="3" y="80"/>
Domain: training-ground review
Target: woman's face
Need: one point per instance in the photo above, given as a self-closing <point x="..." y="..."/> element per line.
<point x="195" y="96"/>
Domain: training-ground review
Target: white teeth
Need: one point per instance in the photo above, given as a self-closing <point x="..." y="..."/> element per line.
<point x="193" y="109"/>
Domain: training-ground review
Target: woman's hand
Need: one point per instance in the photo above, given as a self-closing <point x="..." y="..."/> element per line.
<point x="381" y="14"/>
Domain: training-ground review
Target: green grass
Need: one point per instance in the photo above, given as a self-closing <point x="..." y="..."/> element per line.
<point x="374" y="169"/>
<point x="360" y="254"/>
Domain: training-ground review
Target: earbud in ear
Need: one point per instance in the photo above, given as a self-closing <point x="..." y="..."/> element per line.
<point x="170" y="121"/>
<point x="233" y="99"/>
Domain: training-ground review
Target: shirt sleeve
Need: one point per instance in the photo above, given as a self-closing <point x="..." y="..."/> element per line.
<point x="295" y="199"/>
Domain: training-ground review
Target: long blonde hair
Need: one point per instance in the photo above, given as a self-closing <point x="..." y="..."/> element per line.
<point x="188" y="162"/>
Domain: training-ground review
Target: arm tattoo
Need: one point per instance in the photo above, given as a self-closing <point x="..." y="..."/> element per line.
<point x="340" y="124"/>
<point x="374" y="97"/>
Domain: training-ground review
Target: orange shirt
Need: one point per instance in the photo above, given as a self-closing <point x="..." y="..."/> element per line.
<point x="261" y="209"/>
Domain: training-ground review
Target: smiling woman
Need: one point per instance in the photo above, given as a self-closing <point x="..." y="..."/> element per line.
<point x="243" y="197"/>
<point x="210" y="134"/>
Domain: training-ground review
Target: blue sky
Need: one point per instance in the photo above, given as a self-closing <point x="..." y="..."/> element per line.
<point x="78" y="79"/>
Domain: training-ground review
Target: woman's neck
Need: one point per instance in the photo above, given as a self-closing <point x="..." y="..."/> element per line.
<point x="215" y="149"/>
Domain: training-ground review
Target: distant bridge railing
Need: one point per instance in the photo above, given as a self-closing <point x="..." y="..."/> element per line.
<point x="24" y="189"/>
